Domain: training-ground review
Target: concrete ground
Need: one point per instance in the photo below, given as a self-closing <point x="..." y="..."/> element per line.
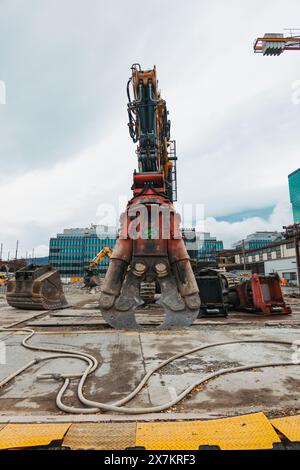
<point x="125" y="357"/>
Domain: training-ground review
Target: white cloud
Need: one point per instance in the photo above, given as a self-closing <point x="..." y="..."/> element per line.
<point x="41" y="250"/>
<point x="42" y="202"/>
<point x="234" y="231"/>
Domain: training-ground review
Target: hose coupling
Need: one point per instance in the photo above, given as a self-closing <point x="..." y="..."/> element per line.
<point x="50" y="376"/>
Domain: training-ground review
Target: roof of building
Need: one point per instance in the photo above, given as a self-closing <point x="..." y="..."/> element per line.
<point x="296" y="171"/>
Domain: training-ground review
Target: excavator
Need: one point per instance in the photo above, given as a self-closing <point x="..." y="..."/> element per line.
<point x="150" y="250"/>
<point x="91" y="277"/>
<point x="150" y="255"/>
<point x="3" y="279"/>
<point x="150" y="246"/>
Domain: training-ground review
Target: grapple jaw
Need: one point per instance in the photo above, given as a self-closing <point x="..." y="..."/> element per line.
<point x="119" y="312"/>
<point x="180" y="311"/>
<point x="120" y="296"/>
<point x="36" y="288"/>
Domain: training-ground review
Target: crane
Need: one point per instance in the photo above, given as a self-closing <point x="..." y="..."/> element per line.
<point x="276" y="43"/>
<point x="150" y="247"/>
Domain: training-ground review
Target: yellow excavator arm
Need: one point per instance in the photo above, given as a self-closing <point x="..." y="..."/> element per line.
<point x="91" y="277"/>
<point x="106" y="251"/>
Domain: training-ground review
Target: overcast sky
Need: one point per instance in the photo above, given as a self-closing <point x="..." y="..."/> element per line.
<point x="64" y="143"/>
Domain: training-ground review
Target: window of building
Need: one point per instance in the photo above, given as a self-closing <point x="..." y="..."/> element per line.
<point x="290" y="276"/>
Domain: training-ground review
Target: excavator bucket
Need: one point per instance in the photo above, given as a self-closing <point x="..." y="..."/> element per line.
<point x="213" y="290"/>
<point x="90" y="279"/>
<point x="36" y="288"/>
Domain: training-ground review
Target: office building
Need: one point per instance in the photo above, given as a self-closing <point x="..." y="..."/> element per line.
<point x="294" y="186"/>
<point x="201" y="246"/>
<point x="258" y="240"/>
<point x="72" y="250"/>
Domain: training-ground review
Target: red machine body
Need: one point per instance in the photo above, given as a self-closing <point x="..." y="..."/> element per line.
<point x="150" y="248"/>
<point x="262" y="294"/>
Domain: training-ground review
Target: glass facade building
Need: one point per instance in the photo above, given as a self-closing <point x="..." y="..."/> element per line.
<point x="294" y="186"/>
<point x="72" y="250"/>
<point x="201" y="246"/>
<point x="258" y="240"/>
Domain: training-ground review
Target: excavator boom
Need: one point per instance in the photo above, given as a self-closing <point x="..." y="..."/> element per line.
<point x="149" y="127"/>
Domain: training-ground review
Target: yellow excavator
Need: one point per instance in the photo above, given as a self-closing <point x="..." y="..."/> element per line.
<point x="91" y="276"/>
<point x="3" y="279"/>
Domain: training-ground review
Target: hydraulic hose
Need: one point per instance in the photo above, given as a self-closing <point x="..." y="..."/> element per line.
<point x="91" y="360"/>
<point x="116" y="406"/>
<point x="92" y="364"/>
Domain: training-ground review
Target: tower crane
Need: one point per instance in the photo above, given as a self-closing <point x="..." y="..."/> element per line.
<point x="276" y="43"/>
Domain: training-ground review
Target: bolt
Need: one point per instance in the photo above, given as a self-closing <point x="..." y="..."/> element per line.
<point x="139" y="269"/>
<point x="161" y="269"/>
